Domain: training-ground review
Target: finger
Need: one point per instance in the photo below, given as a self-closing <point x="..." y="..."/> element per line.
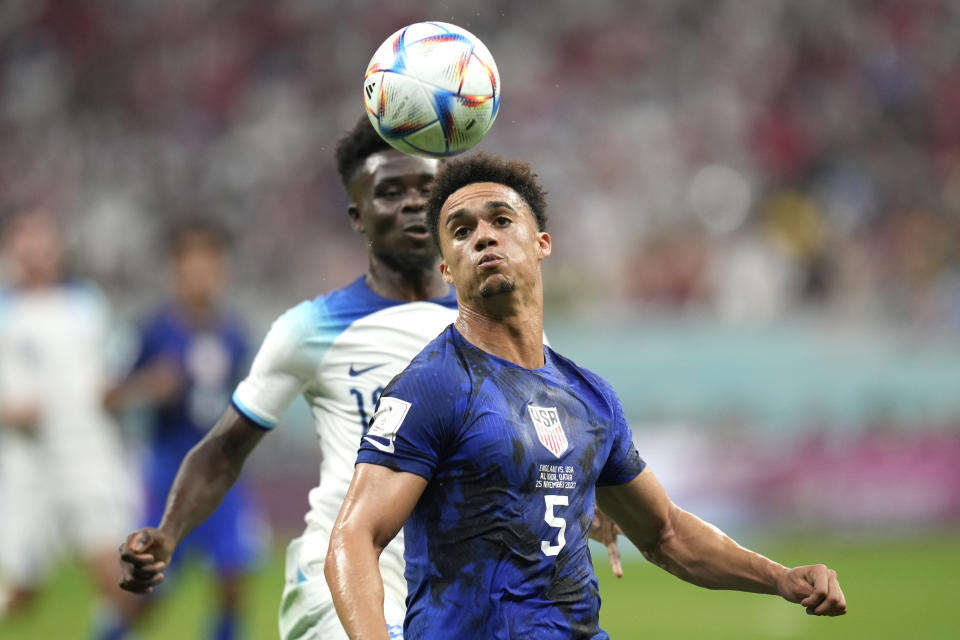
<point x="141" y="586"/>
<point x="147" y="573"/>
<point x="614" y="552"/>
<point x="834" y="604"/>
<point x="138" y="559"/>
<point x="819" y="583"/>
<point x="141" y="541"/>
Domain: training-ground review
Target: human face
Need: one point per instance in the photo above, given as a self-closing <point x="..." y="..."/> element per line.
<point x="34" y="247"/>
<point x="388" y="197"/>
<point x="199" y="270"/>
<point x="490" y="241"/>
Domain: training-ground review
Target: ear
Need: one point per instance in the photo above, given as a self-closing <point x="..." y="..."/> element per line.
<point x="445" y="272"/>
<point x="544" y="245"/>
<point x="354" y="212"/>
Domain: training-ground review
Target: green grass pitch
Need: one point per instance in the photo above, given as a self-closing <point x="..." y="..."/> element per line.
<point x="895" y="589"/>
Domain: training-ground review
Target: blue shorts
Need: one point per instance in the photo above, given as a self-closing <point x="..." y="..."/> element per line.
<point x="232" y="539"/>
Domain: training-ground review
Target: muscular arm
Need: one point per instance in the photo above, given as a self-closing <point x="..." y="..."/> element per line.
<point x="206" y="474"/>
<point x="377" y="504"/>
<point x="698" y="552"/>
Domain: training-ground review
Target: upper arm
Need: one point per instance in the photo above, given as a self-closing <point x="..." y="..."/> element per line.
<point x="641" y="507"/>
<point x="281" y="369"/>
<point x="377" y="503"/>
<point x="233" y="437"/>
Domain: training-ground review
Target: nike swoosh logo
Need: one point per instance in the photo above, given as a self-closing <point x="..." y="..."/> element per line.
<point x="386" y="448"/>
<point x="359" y="372"/>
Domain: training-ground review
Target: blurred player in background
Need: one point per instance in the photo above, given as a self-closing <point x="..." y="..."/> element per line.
<point x="64" y="485"/>
<point x="338" y="351"/>
<point x="193" y="352"/>
<point x="498" y="449"/>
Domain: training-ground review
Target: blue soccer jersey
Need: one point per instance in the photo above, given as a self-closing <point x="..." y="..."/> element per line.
<point x="209" y="360"/>
<point x="497" y="544"/>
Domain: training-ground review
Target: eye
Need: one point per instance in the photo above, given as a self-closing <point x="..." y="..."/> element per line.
<point x="389" y="193"/>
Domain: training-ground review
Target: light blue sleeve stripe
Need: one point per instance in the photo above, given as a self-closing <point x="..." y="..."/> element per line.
<point x="250" y="415"/>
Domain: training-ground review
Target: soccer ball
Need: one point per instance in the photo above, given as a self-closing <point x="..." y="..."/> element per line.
<point x="432" y="89"/>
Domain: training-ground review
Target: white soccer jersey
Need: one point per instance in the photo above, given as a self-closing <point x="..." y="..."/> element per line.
<point x="339" y="351"/>
<point x="68" y="474"/>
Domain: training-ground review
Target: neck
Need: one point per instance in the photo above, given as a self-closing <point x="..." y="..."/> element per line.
<point x="198" y="311"/>
<point x="509" y="328"/>
<point x="408" y="285"/>
<point x="37" y="279"/>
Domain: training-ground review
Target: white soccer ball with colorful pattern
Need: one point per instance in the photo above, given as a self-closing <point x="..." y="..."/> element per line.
<point x="432" y="89"/>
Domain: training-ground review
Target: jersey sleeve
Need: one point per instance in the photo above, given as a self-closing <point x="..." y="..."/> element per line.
<point x="280" y="371"/>
<point x="412" y="423"/>
<point x="149" y="344"/>
<point x="12" y="378"/>
<point x="624" y="463"/>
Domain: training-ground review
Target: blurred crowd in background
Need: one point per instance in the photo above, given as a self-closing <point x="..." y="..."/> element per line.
<point x="737" y="159"/>
<point x="741" y="163"/>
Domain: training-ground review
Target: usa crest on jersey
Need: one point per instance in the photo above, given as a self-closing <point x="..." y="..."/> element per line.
<point x="546" y="420"/>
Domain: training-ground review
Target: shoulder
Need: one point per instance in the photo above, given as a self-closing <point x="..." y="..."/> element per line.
<point x="159" y="322"/>
<point x="297" y="324"/>
<point x="6" y="303"/>
<point x="439" y="368"/>
<point x="85" y="293"/>
<point x="572" y="370"/>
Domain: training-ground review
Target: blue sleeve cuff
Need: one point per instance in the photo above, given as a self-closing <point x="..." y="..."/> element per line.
<point x="267" y="425"/>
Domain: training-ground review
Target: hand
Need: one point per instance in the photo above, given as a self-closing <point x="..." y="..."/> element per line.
<point x="23" y="418"/>
<point x="816" y="588"/>
<point x="144" y="555"/>
<point x="606" y="530"/>
<point x="157" y="383"/>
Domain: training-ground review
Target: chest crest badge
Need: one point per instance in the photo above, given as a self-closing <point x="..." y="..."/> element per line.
<point x="546" y="420"/>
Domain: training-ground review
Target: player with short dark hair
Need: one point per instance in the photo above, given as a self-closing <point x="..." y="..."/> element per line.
<point x="483" y="167"/>
<point x="192" y="353"/>
<point x="495" y="452"/>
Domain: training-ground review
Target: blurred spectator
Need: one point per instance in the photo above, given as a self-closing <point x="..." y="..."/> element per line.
<point x="128" y="110"/>
<point x="64" y="484"/>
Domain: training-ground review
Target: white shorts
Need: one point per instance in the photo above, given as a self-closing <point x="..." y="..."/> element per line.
<point x="306" y="608"/>
<point x="48" y="505"/>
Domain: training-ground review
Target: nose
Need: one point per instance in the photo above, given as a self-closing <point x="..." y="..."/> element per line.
<point x="485" y="236"/>
<point x="414" y="201"/>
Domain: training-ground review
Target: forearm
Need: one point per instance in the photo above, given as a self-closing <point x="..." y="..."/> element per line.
<point x="207" y="473"/>
<point x="202" y="481"/>
<point x="19" y="417"/>
<point x="353" y="575"/>
<point x="153" y="385"/>
<point x="700" y="553"/>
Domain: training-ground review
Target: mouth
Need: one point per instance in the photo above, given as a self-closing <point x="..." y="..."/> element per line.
<point x="416" y="230"/>
<point x="489" y="260"/>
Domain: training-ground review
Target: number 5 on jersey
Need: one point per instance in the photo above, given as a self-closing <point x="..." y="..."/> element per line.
<point x="552" y="520"/>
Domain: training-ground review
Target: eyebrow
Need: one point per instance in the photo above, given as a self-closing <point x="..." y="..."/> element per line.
<point x="423" y="177"/>
<point x="490" y="205"/>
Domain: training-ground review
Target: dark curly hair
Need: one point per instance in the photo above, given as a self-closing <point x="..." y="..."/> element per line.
<point x="356" y="146"/>
<point x="483" y="167"/>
